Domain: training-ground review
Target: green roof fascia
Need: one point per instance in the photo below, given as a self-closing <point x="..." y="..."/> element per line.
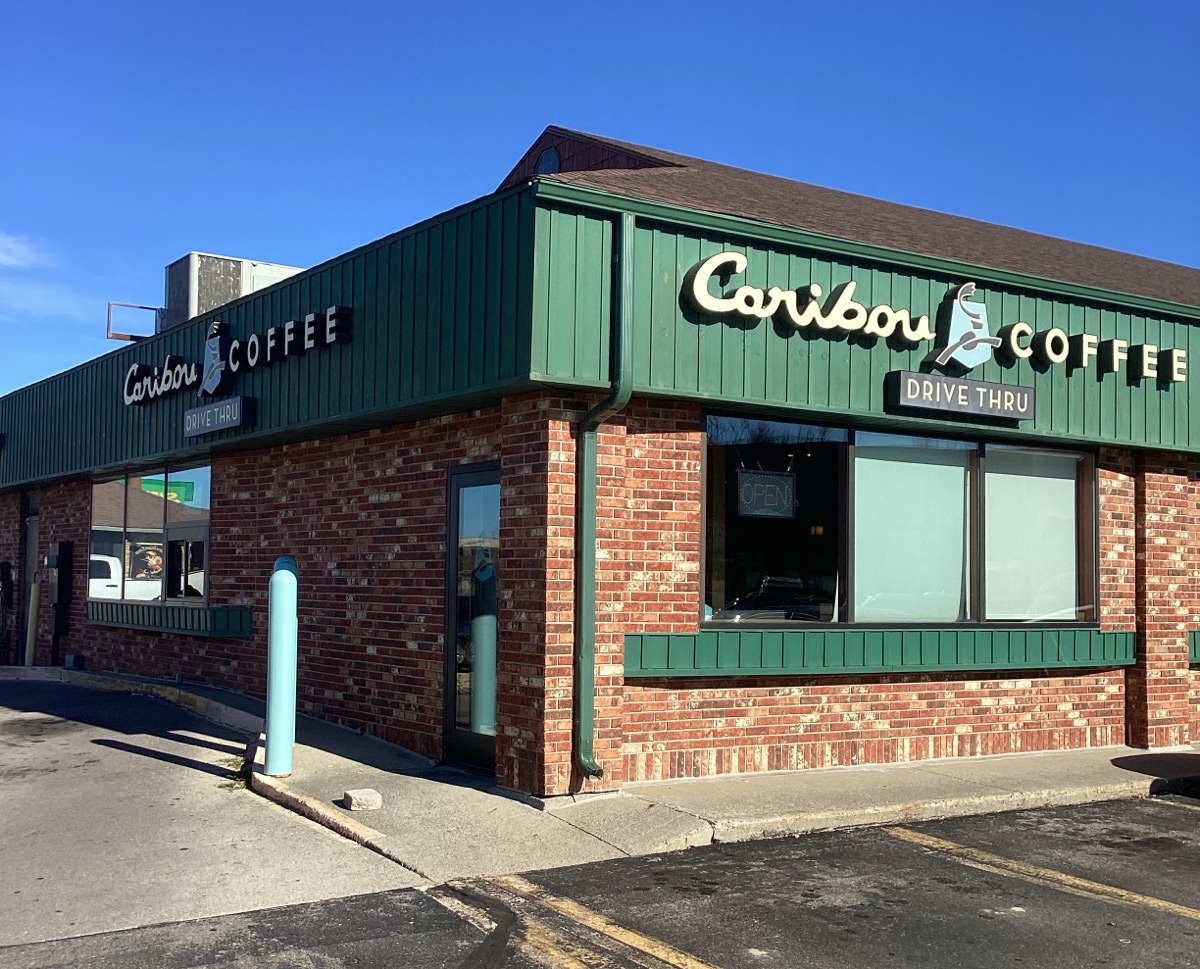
<point x="701" y="219"/>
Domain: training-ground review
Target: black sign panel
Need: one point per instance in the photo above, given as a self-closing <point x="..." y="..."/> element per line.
<point x="766" y="494"/>
<point x="975" y="398"/>
<point x="220" y="415"/>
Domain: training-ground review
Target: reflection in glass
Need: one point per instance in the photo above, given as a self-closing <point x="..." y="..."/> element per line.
<point x="106" y="571"/>
<point x="911" y="529"/>
<point x="478" y="561"/>
<point x="185" y="568"/>
<point x="774" y="521"/>
<point x="1032" y="533"/>
<point x="187" y="495"/>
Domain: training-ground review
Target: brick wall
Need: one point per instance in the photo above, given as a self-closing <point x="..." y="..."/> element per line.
<point x="11" y="645"/>
<point x="364" y="515"/>
<point x="1160" y="686"/>
<point x="691" y="728"/>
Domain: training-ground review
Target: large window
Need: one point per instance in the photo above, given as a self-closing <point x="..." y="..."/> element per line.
<point x="149" y="538"/>
<point x="817" y="524"/>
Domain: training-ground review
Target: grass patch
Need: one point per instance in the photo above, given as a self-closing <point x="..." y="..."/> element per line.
<point x="239" y="773"/>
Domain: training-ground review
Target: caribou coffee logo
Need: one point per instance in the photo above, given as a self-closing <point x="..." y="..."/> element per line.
<point x="225" y="357"/>
<point x="969" y="343"/>
<point x="966" y="343"/>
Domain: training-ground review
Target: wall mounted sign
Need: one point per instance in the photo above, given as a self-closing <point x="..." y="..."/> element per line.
<point x="220" y="415"/>
<point x="934" y="391"/>
<point x="225" y="357"/>
<point x="800" y="308"/>
<point x="966" y="340"/>
<point x="766" y="494"/>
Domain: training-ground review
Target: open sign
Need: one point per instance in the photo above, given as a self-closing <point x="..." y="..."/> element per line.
<point x="766" y="494"/>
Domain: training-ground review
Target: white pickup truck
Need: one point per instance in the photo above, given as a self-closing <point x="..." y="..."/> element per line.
<point x="104" y="581"/>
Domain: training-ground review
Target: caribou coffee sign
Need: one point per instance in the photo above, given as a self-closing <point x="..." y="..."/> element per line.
<point x="967" y="340"/>
<point x="224" y="357"/>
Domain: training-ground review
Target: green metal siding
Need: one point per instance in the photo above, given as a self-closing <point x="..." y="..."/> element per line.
<point x="572" y="300"/>
<point x="227" y="621"/>
<point x="440" y="312"/>
<point x="808" y="652"/>
<point x="1194" y="646"/>
<point x="738" y="360"/>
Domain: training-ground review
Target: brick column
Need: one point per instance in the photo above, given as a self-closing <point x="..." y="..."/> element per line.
<point x="1157" y="706"/>
<point x="537" y="540"/>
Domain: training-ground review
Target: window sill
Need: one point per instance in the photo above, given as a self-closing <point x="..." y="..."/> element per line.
<point x="190" y="619"/>
<point x="766" y="652"/>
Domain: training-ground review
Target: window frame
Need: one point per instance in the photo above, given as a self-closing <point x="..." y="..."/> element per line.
<point x="199" y="529"/>
<point x="1087" y="534"/>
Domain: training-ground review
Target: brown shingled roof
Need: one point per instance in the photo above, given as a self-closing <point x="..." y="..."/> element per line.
<point x="662" y="176"/>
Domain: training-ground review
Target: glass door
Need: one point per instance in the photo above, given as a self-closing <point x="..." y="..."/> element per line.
<point x="472" y="577"/>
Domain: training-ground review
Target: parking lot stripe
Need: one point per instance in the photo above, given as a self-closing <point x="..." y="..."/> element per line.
<point x="1182" y="805"/>
<point x="598" y="923"/>
<point x="998" y="864"/>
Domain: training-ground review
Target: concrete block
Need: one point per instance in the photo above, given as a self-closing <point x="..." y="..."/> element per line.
<point x="363" y="799"/>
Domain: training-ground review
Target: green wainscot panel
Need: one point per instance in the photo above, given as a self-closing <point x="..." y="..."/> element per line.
<point x="225" y="621"/>
<point x="1194" y="646"/>
<point x="815" y="652"/>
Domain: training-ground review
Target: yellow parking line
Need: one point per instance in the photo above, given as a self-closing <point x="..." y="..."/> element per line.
<point x="997" y="864"/>
<point x="599" y="923"/>
<point x="1182" y="805"/>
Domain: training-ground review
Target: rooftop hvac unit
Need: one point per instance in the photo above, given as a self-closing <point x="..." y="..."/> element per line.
<point x="200" y="282"/>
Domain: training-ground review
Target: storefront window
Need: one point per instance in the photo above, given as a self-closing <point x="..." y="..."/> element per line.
<point x="912" y="529"/>
<point x="1031" y="565"/>
<point x="816" y="524"/>
<point x="775" y="515"/>
<point x="149" y="537"/>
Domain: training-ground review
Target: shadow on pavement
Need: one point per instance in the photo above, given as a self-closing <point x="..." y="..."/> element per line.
<point x="130" y="714"/>
<point x="1176" y="772"/>
<point x="225" y="773"/>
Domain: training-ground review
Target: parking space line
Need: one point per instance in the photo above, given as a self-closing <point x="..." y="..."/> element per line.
<point x="656" y="948"/>
<point x="1182" y="805"/>
<point x="1050" y="877"/>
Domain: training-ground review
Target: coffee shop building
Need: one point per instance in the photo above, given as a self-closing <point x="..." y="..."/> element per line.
<point x="645" y="467"/>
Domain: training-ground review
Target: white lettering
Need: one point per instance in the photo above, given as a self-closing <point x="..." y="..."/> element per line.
<point x="1012" y="336"/>
<point x="1113" y="352"/>
<point x="797" y="307"/>
<point x="1148" y="360"/>
<point x="1177" y="365"/>
<point x="252" y="351"/>
<point x="701" y="295"/>
<point x="1054" y="345"/>
<point x="144" y="383"/>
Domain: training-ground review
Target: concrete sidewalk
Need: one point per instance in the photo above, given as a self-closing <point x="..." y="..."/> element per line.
<point x="444" y="823"/>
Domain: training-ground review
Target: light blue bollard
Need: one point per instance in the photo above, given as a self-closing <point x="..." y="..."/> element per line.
<point x="282" y="639"/>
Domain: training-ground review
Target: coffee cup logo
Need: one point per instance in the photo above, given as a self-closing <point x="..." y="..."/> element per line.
<point x="216" y="369"/>
<point x="969" y="342"/>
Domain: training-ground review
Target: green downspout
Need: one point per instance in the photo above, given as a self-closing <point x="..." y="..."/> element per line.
<point x="621" y="351"/>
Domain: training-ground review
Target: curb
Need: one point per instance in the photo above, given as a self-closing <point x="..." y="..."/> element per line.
<point x="718" y="831"/>
<point x="753" y="829"/>
<point x="274" y="789"/>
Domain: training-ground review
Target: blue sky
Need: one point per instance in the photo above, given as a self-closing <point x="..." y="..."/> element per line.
<point x="291" y="132"/>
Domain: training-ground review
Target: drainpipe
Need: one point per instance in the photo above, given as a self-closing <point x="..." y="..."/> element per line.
<point x="621" y="356"/>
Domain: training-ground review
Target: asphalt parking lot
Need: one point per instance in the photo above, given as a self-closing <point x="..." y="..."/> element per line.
<point x="119" y="811"/>
<point x="1116" y="883"/>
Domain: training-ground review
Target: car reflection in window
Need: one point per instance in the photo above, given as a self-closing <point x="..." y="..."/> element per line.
<point x="784" y="599"/>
